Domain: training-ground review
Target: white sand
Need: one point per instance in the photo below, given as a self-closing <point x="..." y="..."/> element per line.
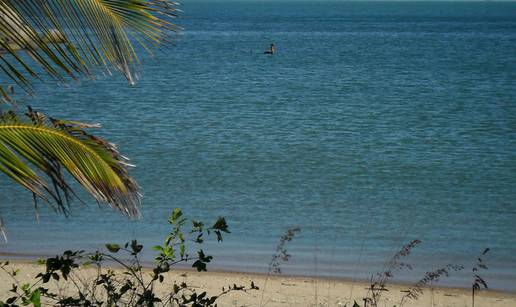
<point x="293" y="291"/>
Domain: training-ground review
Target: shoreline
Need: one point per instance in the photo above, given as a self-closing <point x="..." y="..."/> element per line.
<point x="288" y="290"/>
<point x="28" y="259"/>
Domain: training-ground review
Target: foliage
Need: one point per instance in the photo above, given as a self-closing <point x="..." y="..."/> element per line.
<point x="280" y="256"/>
<point x="415" y="291"/>
<point x="478" y="281"/>
<point x="130" y="286"/>
<point x="68" y="38"/>
<point x="64" y="40"/>
<point x="50" y="146"/>
<point x="379" y="281"/>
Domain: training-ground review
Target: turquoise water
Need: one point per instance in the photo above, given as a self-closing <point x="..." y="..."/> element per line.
<point x="374" y="124"/>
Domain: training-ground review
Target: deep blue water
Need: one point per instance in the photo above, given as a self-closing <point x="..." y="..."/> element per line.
<point x="375" y="123"/>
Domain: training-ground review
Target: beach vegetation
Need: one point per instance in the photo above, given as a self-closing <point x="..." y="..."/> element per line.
<point x="479" y="282"/>
<point x="279" y="257"/>
<point x="431" y="277"/>
<point x="378" y="282"/>
<point x="116" y="276"/>
<point x="131" y="284"/>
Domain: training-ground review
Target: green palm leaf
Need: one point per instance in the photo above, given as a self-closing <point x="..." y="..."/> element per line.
<point x="28" y="149"/>
<point x="68" y="37"/>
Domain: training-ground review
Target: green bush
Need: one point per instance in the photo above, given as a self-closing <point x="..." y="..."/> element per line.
<point x="131" y="285"/>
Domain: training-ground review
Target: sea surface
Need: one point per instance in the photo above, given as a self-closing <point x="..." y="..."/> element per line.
<point x="376" y="123"/>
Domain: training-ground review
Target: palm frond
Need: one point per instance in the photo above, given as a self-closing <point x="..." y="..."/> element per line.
<point x="48" y="146"/>
<point x="66" y="38"/>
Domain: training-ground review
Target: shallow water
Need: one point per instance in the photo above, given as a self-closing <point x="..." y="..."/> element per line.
<point x="374" y="124"/>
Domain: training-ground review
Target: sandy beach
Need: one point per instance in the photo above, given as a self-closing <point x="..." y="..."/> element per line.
<point x="290" y="291"/>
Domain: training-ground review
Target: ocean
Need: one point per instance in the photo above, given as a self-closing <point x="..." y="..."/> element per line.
<point x="375" y="123"/>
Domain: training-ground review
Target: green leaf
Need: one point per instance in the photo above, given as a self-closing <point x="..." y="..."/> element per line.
<point x="221" y="225"/>
<point x="197" y="225"/>
<point x="169" y="251"/>
<point x="35" y="298"/>
<point x="25" y="287"/>
<point x="30" y="148"/>
<point x="176" y="214"/>
<point x="199" y="265"/>
<point x="11" y="300"/>
<point x="114" y="248"/>
<point x="182" y="250"/>
<point x="136" y="248"/>
<point x="219" y="235"/>
<point x="68" y="38"/>
<point x="158" y="248"/>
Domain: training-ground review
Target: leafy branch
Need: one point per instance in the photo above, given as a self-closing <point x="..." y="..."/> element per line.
<point x="130" y="286"/>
